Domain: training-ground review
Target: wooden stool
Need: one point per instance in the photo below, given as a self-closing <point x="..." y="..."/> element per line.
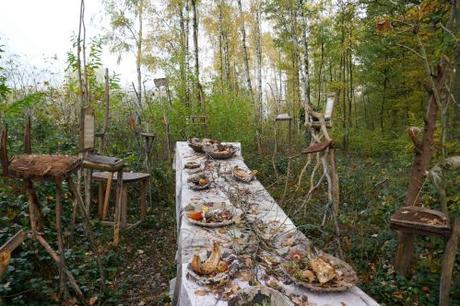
<point x="55" y="168"/>
<point x="128" y="178"/>
<point x="409" y="221"/>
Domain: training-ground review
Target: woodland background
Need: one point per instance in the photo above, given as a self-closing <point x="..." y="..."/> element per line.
<point x="256" y="59"/>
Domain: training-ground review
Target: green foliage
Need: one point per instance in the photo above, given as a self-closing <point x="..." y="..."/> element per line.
<point x="4" y="89"/>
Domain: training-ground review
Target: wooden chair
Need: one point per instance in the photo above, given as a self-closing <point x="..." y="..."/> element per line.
<point x="129" y="179"/>
<point x="328" y="111"/>
<point x="93" y="161"/>
<point x="200" y="121"/>
<point x="282" y="118"/>
<point x="414" y="220"/>
<point x="40" y="167"/>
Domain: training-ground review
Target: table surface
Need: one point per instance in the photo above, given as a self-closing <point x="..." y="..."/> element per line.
<point x="127" y="176"/>
<point x="194" y="239"/>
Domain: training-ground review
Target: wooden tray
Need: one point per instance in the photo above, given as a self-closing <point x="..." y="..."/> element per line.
<point x="350" y="278"/>
<point x="421" y="220"/>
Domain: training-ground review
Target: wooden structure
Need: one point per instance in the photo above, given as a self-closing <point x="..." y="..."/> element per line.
<point x="129" y="178"/>
<point x="200" y="121"/>
<point x="416" y="220"/>
<point x="328" y="111"/>
<point x="148" y="147"/>
<point x="284" y="118"/>
<point x="57" y="169"/>
<point x="94" y="161"/>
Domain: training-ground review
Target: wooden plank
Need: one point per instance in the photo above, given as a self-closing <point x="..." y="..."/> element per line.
<point x="128" y="177"/>
<point x="329" y="106"/>
<point x="13" y="242"/>
<point x="7" y="248"/>
<point x="88" y="129"/>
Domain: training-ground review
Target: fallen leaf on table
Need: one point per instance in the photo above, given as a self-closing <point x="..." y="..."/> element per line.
<point x="201" y="292"/>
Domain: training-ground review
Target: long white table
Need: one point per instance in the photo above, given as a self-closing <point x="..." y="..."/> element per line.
<point x="192" y="239"/>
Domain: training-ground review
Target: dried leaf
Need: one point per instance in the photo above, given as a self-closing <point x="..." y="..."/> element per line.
<point x="201" y="292"/>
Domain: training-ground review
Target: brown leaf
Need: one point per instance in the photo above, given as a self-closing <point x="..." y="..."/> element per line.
<point x="93" y="300"/>
<point x="201" y="292"/>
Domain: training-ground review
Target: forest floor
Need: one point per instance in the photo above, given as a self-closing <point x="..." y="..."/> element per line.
<point x="141" y="268"/>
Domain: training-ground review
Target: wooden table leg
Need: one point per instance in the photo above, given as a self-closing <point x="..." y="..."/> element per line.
<point x="108" y="189"/>
<point x="100" y="199"/>
<point x="59" y="237"/>
<point x="143" y="197"/>
<point x="117" y="219"/>
<point x="404" y="253"/>
<point x="448" y="262"/>
<point x="35" y="214"/>
<point x="124" y="206"/>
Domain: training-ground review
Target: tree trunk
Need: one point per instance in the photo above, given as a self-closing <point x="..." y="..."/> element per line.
<point x="304" y="59"/>
<point x="222" y="49"/>
<point x="259" y="61"/>
<point x="103" y="148"/>
<point x="424" y="146"/>
<point x="139" y="55"/>
<point x="245" y="51"/>
<point x="184" y="50"/>
<point x="195" y="40"/>
<point x="456" y="76"/>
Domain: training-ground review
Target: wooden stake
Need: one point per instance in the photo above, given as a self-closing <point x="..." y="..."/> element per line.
<point x="58" y="209"/>
<point x="57" y="259"/>
<point x="118" y="204"/>
<point x="108" y="189"/>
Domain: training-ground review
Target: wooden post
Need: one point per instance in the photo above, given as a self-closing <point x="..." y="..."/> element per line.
<point x="124" y="206"/>
<point x="27" y="136"/>
<point x="118" y="204"/>
<point x="143" y="195"/>
<point x="108" y="188"/>
<point x="60" y="240"/>
<point x="100" y="199"/>
<point x="35" y="214"/>
<point x="4" y="151"/>
<point x="404" y="252"/>
<point x="103" y="144"/>
<point x="448" y="262"/>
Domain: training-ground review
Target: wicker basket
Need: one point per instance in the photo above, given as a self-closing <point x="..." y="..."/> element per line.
<point x="196" y="144"/>
<point x="220" y="151"/>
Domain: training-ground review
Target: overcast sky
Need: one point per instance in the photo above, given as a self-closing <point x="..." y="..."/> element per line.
<point x="42" y="29"/>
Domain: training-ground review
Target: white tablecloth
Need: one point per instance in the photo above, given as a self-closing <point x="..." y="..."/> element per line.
<point x="194" y="239"/>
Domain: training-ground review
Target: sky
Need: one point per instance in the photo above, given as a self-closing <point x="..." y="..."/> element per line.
<point x="39" y="29"/>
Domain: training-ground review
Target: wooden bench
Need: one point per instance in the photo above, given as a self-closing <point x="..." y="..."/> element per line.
<point x="129" y="178"/>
